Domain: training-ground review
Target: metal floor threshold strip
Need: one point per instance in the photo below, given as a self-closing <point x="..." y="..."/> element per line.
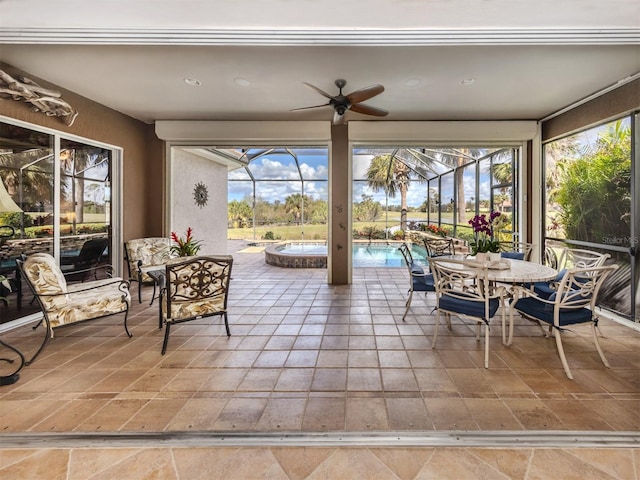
<point x="485" y="439"/>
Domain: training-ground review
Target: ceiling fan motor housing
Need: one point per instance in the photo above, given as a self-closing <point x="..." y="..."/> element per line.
<point x="341" y="103"/>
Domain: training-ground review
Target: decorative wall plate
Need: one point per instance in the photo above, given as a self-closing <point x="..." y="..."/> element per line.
<point x="200" y="194"/>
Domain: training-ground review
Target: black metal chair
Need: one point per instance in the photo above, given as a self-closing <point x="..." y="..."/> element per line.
<point x="195" y="287"/>
<point x="84" y="265"/>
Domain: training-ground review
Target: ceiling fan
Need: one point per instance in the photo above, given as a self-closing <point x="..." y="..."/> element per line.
<point x="341" y="103"/>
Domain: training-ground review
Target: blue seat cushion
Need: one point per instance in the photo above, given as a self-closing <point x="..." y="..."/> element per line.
<point x="534" y="308"/>
<point x="417" y="268"/>
<point x="421" y="282"/>
<point x="544" y="289"/>
<point x="473" y="308"/>
<point x="513" y="255"/>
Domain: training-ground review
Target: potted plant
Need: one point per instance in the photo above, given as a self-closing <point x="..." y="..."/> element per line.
<point x="187" y="246"/>
<point x="484" y="230"/>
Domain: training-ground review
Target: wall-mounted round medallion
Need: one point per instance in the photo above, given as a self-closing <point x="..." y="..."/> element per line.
<point x="200" y="194"/>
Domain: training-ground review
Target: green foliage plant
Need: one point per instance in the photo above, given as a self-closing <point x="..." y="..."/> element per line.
<point x="185" y="247"/>
<point x="594" y="192"/>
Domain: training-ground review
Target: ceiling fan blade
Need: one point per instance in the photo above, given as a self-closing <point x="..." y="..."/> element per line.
<point x="324" y="94"/>
<point x="367" y="110"/>
<point x="337" y="118"/>
<point x="307" y="108"/>
<point x="365" y="93"/>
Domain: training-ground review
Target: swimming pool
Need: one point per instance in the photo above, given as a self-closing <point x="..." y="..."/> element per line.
<point x="314" y="255"/>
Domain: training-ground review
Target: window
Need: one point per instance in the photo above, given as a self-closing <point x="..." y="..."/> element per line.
<point x="588" y="178"/>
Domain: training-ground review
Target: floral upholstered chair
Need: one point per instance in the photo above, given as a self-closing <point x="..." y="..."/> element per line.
<point x="195" y="287"/>
<point x="64" y="304"/>
<point x="143" y="255"/>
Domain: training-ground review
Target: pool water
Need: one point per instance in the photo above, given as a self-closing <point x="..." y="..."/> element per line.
<point x="380" y="255"/>
<point x="364" y="254"/>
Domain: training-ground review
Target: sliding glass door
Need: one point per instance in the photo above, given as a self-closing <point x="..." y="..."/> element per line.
<point x="55" y="196"/>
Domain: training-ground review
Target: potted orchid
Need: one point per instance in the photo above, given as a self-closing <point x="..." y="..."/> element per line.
<point x="185" y="247"/>
<point x="484" y="229"/>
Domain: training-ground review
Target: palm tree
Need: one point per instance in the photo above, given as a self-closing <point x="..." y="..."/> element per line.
<point x="388" y="174"/>
<point x="293" y="206"/>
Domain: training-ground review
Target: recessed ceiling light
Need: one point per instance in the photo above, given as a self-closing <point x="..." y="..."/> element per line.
<point x="243" y="82"/>
<point x="194" y="82"/>
<point x="467" y="81"/>
<point x="412" y="82"/>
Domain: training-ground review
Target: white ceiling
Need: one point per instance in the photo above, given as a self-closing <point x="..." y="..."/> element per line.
<point x="528" y="59"/>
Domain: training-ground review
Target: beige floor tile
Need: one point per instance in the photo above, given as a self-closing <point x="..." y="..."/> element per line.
<point x="408" y="414"/>
<point x="294" y="380"/>
<point x="112" y="416"/>
<point x="154" y="416"/>
<point x="329" y="379"/>
<point x="490" y="414"/>
<point x="560" y="464"/>
<point x="282" y="414"/>
<point x="241" y="414"/>
<point x="363" y="359"/>
<point x="324" y="414"/>
<point x="510" y="462"/>
<point x="404" y="462"/>
<point x="332" y="358"/>
<point x="533" y="414"/>
<point x="366" y="414"/>
<point x="299" y="462"/>
<point x="398" y="380"/>
<point x="364" y="379"/>
<point x="197" y="414"/>
<point x="354" y="464"/>
<point x="618" y="463"/>
<point x="470" y="381"/>
<point x="259" y="380"/>
<point x="450" y="414"/>
<point x="393" y="359"/>
<point x="224" y="380"/>
<point x="44" y="463"/>
<point x="452" y="464"/>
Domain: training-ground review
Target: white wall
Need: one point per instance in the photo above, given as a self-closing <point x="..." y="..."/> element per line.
<point x="209" y="223"/>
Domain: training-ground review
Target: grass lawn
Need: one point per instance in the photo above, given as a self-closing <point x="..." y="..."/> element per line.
<point x="318" y="232"/>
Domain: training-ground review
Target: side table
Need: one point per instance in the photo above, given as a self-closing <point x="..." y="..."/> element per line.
<point x="160" y="279"/>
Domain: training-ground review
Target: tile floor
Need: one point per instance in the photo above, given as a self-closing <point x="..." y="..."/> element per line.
<point x="305" y="356"/>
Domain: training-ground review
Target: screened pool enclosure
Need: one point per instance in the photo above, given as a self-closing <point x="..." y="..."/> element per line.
<point x="283" y="192"/>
